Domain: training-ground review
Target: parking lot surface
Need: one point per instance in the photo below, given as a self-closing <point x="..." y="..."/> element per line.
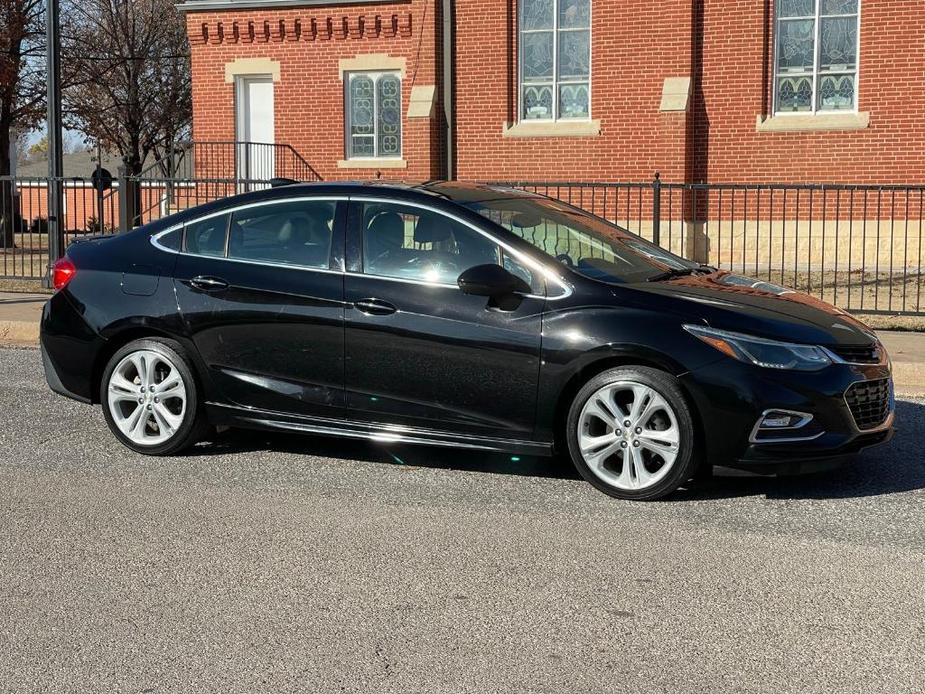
<point x="276" y="563"/>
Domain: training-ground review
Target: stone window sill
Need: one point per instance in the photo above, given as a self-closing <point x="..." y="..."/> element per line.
<point x="372" y="164"/>
<point x="813" y="122"/>
<point x="584" y="128"/>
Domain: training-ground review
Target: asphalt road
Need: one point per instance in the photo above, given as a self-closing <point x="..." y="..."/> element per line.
<point x="272" y="563"/>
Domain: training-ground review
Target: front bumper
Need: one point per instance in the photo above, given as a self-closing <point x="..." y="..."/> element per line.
<point x="731" y="397"/>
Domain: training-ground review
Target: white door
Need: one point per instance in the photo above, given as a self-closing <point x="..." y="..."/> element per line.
<point x="255" y="128"/>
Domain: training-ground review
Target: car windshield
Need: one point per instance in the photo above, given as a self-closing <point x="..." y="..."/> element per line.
<point x="589" y="245"/>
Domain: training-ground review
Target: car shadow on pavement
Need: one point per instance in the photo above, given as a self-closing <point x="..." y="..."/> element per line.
<point x="241" y="441"/>
<point x="894" y="468"/>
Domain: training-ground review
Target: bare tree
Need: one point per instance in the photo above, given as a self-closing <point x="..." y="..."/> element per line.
<point x="127" y="67"/>
<point x="22" y="90"/>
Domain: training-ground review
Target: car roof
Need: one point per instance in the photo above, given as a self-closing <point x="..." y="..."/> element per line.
<point x="449" y="192"/>
<point x="454" y="191"/>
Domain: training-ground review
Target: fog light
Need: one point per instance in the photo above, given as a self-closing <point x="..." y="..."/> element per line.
<point x="783" y="419"/>
<point x="778" y="421"/>
<point x="783" y="425"/>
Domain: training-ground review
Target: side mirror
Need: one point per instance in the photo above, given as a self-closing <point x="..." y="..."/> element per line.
<point x="491" y="281"/>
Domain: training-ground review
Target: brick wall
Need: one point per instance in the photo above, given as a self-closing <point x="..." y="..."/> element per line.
<point x="309" y="96"/>
<point x="635" y="45"/>
<point x="737" y="69"/>
<point x="725" y="46"/>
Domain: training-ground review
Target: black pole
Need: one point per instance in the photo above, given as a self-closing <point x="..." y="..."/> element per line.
<point x="657" y="209"/>
<point x="99" y="189"/>
<point x="55" y="163"/>
<point x="449" y="66"/>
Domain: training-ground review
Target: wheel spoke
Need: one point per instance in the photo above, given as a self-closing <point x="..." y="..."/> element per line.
<point x="599" y="407"/>
<point x="654" y="404"/>
<point x="172" y="420"/>
<point x="642" y="398"/>
<point x="592" y="444"/>
<point x="596" y="459"/>
<point x="642" y="476"/>
<point x="118" y="382"/>
<point x="138" y="360"/>
<point x="170" y="381"/>
<point x="164" y="427"/>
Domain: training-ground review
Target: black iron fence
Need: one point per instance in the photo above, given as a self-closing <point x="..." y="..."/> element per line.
<point x="857" y="246"/>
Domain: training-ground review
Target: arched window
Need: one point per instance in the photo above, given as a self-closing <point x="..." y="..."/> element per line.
<point x="816" y="55"/>
<point x="555" y="59"/>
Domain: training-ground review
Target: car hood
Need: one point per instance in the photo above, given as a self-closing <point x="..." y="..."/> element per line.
<point x="734" y="302"/>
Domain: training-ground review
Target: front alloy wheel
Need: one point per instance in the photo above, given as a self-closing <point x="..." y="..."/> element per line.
<point x="631" y="434"/>
<point x="149" y="397"/>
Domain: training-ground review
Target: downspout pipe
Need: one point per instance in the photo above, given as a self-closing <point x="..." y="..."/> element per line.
<point x="449" y="66"/>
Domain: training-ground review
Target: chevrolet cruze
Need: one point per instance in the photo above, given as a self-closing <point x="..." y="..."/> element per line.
<point x="462" y="315"/>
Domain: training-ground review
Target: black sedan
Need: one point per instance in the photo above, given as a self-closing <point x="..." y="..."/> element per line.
<point x="460" y="315"/>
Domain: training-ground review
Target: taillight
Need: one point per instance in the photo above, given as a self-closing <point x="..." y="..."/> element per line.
<point x="62" y="272"/>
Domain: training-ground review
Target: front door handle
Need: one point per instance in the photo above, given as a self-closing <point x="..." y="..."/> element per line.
<point x="208" y="284"/>
<point x="375" y="307"/>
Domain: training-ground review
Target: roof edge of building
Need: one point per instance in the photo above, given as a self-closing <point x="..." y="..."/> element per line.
<point x="203" y="5"/>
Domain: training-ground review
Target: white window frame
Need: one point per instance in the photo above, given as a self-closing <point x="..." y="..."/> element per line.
<point x="521" y="83"/>
<point x="374" y="75"/>
<point x="814" y="74"/>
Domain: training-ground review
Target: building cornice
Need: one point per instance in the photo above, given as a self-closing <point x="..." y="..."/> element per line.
<point x="212" y="5"/>
<point x="288" y="29"/>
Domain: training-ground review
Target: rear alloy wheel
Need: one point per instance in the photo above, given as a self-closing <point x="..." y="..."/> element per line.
<point x="149" y="398"/>
<point x="631" y="435"/>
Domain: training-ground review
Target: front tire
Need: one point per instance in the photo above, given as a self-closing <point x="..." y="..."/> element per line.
<point x="150" y="399"/>
<point x="631" y="434"/>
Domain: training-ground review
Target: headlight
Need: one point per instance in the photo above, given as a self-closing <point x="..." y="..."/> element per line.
<point x="769" y="354"/>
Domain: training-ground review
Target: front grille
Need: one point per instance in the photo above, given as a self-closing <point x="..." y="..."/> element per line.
<point x="859" y="355"/>
<point x="869" y="402"/>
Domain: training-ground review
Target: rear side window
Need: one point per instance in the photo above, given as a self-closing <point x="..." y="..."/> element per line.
<point x="290" y="233"/>
<point x="207" y="236"/>
<point x="170" y="240"/>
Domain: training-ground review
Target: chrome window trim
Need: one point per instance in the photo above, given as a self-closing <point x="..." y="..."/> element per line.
<point x="545" y="272"/>
<point x="154" y="239"/>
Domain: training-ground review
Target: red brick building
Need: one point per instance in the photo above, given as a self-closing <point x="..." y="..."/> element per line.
<point x="709" y="90"/>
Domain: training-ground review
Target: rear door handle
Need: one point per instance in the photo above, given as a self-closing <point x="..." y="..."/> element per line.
<point x="209" y="284"/>
<point x="375" y="307"/>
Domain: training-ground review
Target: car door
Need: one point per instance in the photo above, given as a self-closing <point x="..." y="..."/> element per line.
<point x="261" y="291"/>
<point x="421" y="353"/>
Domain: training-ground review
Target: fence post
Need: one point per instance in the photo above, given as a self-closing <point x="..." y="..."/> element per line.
<point x="126" y="201"/>
<point x="657" y="209"/>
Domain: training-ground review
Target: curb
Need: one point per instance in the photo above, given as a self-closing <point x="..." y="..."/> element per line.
<point x="909" y="379"/>
<point x="19" y="332"/>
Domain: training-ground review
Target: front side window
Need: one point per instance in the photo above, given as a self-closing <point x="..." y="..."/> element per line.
<point x="406" y="242"/>
<point x="555" y="59"/>
<point x="816" y="55"/>
<point x="373" y="115"/>
<point x="287" y="233"/>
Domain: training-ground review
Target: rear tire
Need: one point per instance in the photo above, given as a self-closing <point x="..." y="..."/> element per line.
<point x="630" y="433"/>
<point x="150" y="398"/>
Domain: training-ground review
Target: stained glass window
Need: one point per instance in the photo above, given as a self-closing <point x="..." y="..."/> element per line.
<point x="816" y="52"/>
<point x="555" y="59"/>
<point x="373" y="115"/>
